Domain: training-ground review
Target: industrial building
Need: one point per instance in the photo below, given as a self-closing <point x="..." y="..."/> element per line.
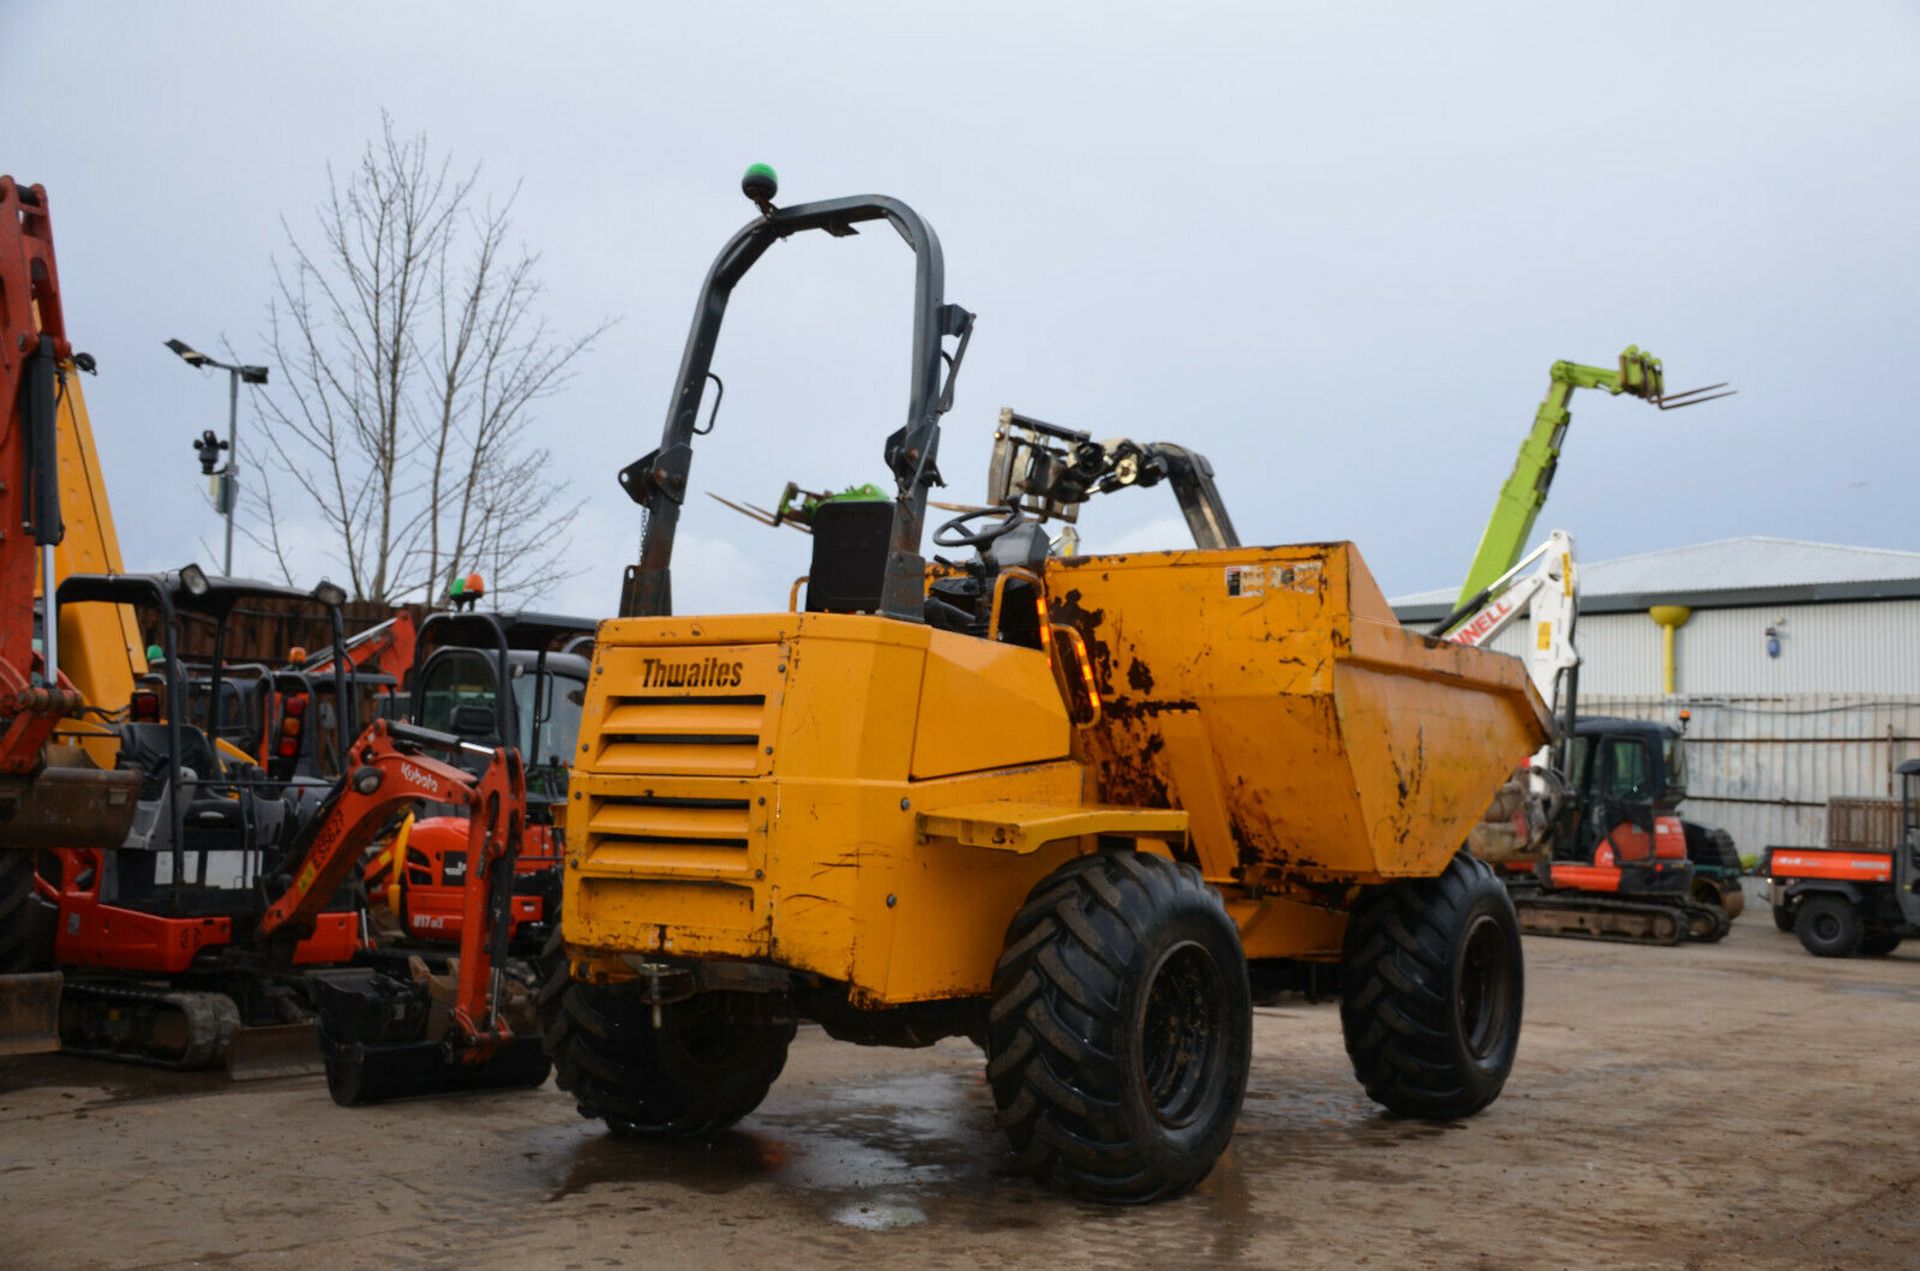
<point x="1799" y="663"/>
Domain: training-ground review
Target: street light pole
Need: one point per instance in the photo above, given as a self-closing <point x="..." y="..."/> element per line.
<point x="209" y="448"/>
<point x="233" y="461"/>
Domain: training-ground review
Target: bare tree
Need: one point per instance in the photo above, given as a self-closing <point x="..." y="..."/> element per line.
<point x="411" y="354"/>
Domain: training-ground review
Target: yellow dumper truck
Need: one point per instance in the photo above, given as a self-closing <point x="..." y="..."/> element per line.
<point x="1063" y="806"/>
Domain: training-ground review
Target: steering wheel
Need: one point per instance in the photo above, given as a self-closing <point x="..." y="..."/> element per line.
<point x="954" y="533"/>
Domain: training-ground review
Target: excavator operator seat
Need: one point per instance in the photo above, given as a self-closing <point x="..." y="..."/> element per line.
<point x="849" y="556"/>
<point x="143" y="747"/>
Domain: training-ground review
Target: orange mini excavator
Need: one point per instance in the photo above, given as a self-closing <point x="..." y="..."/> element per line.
<point x="254" y="931"/>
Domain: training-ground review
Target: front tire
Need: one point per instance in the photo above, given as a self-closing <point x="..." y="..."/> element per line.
<point x="1432" y="986"/>
<point x="1878" y="944"/>
<point x="1121" y="1028"/>
<point x="1829" y="927"/>
<point x="1783" y="917"/>
<point x="709" y="1063"/>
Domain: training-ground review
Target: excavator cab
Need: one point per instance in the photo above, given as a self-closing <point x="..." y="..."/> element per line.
<point x="463" y="660"/>
<point x="461" y="663"/>
<point x="208" y="814"/>
<point x="1621" y="809"/>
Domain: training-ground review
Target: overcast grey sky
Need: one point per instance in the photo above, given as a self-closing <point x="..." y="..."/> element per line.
<point x="1334" y="246"/>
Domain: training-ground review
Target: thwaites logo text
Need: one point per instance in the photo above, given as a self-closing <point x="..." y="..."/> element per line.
<point x="706" y="673"/>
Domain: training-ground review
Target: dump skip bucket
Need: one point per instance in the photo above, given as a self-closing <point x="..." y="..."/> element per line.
<point x="1271" y="693"/>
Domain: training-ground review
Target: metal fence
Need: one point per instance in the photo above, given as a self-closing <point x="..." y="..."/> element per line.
<point x="1765" y="768"/>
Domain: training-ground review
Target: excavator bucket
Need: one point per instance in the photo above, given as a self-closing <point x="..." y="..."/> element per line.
<point x="71" y="806"/>
<point x="359" y="1074"/>
<point x="30" y="1013"/>
<point x="275" y="1050"/>
<point x="379" y="1034"/>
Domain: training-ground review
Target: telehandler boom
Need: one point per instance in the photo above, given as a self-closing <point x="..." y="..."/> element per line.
<point x="1517" y="507"/>
<point x="1067" y="807"/>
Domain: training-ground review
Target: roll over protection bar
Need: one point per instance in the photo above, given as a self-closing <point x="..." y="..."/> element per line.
<point x="658" y="481"/>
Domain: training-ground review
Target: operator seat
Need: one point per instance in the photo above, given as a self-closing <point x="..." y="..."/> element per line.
<point x="211" y="823"/>
<point x="965" y="603"/>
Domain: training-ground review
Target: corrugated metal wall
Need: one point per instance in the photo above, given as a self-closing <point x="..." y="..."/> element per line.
<point x="1763" y="768"/>
<point x="1864" y="647"/>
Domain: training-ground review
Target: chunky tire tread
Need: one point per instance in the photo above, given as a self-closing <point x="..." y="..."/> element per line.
<point x="643" y="1081"/>
<point x="1397" y="1008"/>
<point x="1062" y="1059"/>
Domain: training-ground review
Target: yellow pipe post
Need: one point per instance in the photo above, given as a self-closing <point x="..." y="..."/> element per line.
<point x="1670" y="619"/>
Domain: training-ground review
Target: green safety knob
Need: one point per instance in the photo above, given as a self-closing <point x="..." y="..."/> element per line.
<point x="760" y="183"/>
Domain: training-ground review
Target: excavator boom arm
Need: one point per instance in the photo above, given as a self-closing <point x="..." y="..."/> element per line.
<point x="1545" y="586"/>
<point x="389" y="774"/>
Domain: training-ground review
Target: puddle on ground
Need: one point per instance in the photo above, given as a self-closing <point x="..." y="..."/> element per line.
<point x="880" y="1214"/>
<point x="892" y="1153"/>
<point x="1899" y="993"/>
<point x="714" y="1165"/>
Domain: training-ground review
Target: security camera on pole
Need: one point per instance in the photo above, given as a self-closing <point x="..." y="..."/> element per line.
<point x="226" y="488"/>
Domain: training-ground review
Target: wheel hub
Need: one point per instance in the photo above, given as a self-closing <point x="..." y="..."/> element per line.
<point x="1182" y="1027"/>
<point x="1486" y="987"/>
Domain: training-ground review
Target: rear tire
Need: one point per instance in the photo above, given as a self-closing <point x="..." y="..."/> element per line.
<point x="1878" y="944"/>
<point x="1121" y="1028"/>
<point x="709" y="1063"/>
<point x="1433" y="982"/>
<point x="1828" y="927"/>
<point x="1783" y="917"/>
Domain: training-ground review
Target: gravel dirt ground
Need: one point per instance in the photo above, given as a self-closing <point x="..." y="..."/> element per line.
<point x="1733" y="1105"/>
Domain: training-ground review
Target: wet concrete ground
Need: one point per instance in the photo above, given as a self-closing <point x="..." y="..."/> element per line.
<point x="1734" y="1105"/>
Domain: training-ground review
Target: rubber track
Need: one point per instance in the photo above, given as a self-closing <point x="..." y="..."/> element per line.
<point x="211" y="1018"/>
<point x="1055" y="1079"/>
<point x="1687" y="914"/>
<point x="1718" y="924"/>
<point x="1538" y="901"/>
<point x="1397" y="1020"/>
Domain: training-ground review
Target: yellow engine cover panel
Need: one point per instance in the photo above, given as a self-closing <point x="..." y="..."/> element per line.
<point x="753" y="787"/>
<point x="986" y="705"/>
